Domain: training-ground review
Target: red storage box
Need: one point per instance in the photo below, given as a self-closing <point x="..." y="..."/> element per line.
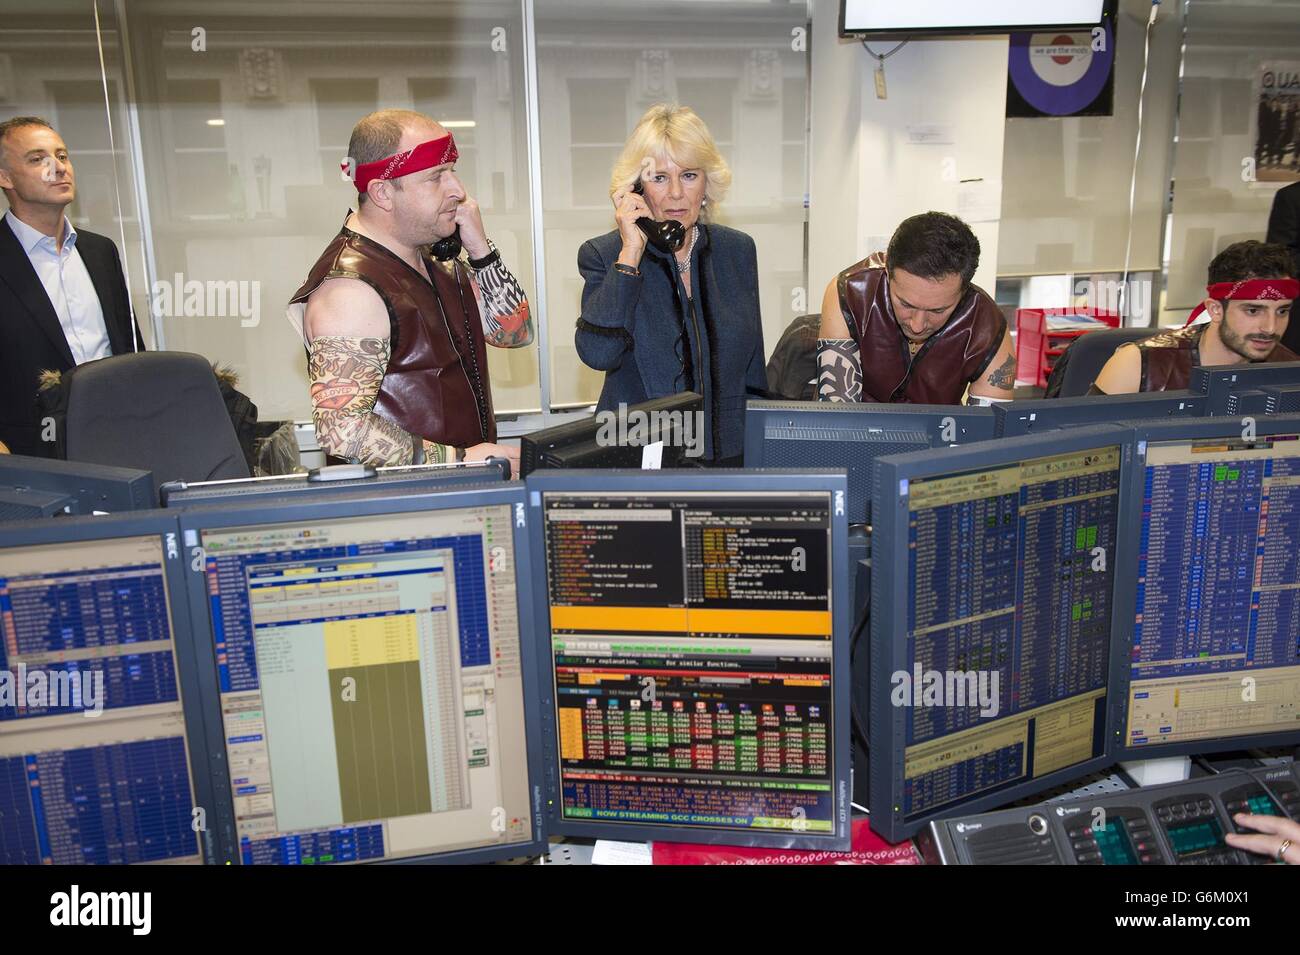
<point x="1041" y="335"/>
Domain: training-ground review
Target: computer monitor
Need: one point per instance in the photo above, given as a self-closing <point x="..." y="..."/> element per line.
<point x="372" y="674"/>
<point x="43" y="487"/>
<point x="1223" y="384"/>
<point x="885" y="19"/>
<point x="991" y="621"/>
<point x="788" y="434"/>
<point x="627" y="437"/>
<point x="102" y="752"/>
<point x="338" y="479"/>
<point x="1211" y="597"/>
<point x="697" y="684"/>
<point x="1282" y="399"/>
<point x="1271" y="399"/>
<point x="1018" y="418"/>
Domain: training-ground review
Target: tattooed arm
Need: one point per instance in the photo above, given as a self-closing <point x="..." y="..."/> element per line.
<point x="348" y="351"/>
<point x="507" y="321"/>
<point x="839" y="365"/>
<point x="998" y="381"/>
<point x="345" y="376"/>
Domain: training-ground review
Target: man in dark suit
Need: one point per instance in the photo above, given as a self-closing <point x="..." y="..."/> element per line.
<point x="1284" y="229"/>
<point x="63" y="297"/>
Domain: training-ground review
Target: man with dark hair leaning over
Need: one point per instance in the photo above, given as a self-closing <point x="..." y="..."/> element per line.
<point x="1251" y="288"/>
<point x="396" y="339"/>
<point x="912" y="328"/>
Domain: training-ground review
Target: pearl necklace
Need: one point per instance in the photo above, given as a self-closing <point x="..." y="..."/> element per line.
<point x="686" y="266"/>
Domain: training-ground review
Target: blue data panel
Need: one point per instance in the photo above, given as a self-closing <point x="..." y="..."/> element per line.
<point x="1216" y="637"/>
<point x="1010" y="580"/>
<point x="94" y="764"/>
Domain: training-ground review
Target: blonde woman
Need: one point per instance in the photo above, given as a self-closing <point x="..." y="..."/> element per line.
<point x="659" y="322"/>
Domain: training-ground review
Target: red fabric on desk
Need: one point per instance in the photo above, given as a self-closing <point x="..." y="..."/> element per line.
<point x="868" y="849"/>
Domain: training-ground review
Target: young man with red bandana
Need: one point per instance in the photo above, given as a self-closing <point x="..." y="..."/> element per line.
<point x="1249" y="296"/>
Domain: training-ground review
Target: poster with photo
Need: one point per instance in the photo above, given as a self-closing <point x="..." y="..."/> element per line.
<point x="1277" y="123"/>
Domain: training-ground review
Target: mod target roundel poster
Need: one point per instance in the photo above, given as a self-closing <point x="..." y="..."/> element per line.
<point x="1062" y="74"/>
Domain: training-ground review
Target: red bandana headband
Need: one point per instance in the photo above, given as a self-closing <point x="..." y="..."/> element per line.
<point x="435" y="152"/>
<point x="1249" y="290"/>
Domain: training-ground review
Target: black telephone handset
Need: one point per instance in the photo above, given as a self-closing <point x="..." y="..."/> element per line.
<point x="446" y="249"/>
<point x="667" y="236"/>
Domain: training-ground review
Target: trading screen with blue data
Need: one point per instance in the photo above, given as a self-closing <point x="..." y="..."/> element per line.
<point x="94" y="760"/>
<point x="371" y="684"/>
<point x="1216" y="637"/>
<point x="1010" y="574"/>
<point x="692" y="659"/>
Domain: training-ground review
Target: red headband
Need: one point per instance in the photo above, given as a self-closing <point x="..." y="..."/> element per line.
<point x="1249" y="290"/>
<point x="435" y="152"/>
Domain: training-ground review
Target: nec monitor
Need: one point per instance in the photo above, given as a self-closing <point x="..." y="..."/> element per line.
<point x="372" y="672"/>
<point x="622" y="438"/>
<point x="1223" y="385"/>
<point x="337" y="479"/>
<point x="991" y="621"/>
<point x="86" y="488"/>
<point x="1017" y="418"/>
<point x="940" y="17"/>
<point x="102" y="751"/>
<point x="823" y="434"/>
<point x="1211" y="595"/>
<point x="697" y="677"/>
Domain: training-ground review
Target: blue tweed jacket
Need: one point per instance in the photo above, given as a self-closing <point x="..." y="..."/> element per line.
<point x="651" y="341"/>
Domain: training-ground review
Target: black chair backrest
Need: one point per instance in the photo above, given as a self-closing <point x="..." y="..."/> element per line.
<point x="1088" y="354"/>
<point x="158" y="411"/>
<point x="792" y="369"/>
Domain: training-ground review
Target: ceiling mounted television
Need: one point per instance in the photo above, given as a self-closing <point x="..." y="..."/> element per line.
<point x="879" y="18"/>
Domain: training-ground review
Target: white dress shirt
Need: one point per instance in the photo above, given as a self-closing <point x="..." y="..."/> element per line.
<point x="68" y="285"/>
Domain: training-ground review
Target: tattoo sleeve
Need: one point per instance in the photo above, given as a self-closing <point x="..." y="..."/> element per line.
<point x="1004" y="376"/>
<point x="507" y="320"/>
<point x="839" y="370"/>
<point x="345" y="377"/>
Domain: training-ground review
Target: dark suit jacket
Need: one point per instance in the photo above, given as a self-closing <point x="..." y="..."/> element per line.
<point x="31" y="338"/>
<point x="1284" y="229"/>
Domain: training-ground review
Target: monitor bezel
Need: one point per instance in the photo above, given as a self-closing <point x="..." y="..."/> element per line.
<point x="890" y="418"/>
<point x="149" y="523"/>
<point x="330" y="507"/>
<point x="1010" y="425"/>
<point x="889" y="582"/>
<point x="934" y="33"/>
<point x="717" y="481"/>
<point x="417" y="479"/>
<point x="1126" y="592"/>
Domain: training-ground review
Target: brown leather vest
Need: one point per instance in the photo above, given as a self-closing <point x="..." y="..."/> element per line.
<point x="1168" y="358"/>
<point x="436" y="385"/>
<point x="949" y="360"/>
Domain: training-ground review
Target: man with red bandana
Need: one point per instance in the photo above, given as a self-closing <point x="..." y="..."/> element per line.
<point x="1249" y="296"/>
<point x="396" y="337"/>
